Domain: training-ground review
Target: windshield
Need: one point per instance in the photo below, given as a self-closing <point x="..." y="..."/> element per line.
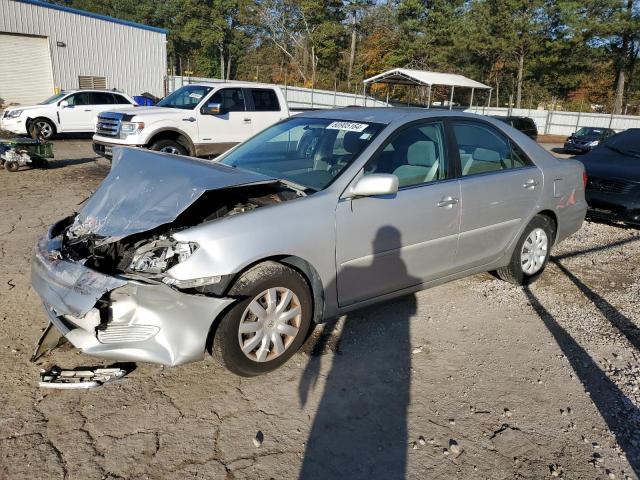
<point x="310" y="152"/>
<point x="53" y="99"/>
<point x="186" y="98"/>
<point x="589" y="131"/>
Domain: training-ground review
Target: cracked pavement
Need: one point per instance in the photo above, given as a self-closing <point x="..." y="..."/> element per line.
<point x="474" y="379"/>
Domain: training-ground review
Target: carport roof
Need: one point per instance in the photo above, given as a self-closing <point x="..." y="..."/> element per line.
<point x="405" y="76"/>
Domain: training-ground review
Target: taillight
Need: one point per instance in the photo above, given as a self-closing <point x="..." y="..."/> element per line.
<point x="584" y="179"/>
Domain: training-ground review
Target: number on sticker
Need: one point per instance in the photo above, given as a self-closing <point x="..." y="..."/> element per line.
<point x="350" y="126"/>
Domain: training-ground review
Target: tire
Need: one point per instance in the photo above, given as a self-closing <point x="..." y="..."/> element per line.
<point x="11" y="166"/>
<point x="251" y="288"/>
<point x="42" y="127"/>
<point x="169" y="146"/>
<point x="521" y="272"/>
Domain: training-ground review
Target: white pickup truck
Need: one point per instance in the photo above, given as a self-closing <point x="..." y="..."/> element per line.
<point x="200" y="119"/>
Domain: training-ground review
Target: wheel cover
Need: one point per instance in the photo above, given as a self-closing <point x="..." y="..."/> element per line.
<point x="45" y="129"/>
<point x="270" y="324"/>
<point x="534" y="251"/>
<point x="170" y="149"/>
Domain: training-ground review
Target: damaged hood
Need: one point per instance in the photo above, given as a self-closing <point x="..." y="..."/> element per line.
<point x="147" y="189"/>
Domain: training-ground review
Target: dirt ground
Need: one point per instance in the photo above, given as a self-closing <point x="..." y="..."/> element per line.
<point x="474" y="379"/>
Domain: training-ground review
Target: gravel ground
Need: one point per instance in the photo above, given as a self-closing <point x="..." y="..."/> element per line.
<point x="473" y="379"/>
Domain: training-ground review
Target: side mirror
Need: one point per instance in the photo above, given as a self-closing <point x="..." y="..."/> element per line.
<point x="213" y="109"/>
<point x="375" y="184"/>
<point x="64" y="104"/>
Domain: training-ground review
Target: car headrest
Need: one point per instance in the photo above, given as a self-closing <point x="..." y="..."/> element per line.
<point x="486" y="155"/>
<point x="422" y="153"/>
<point x="352" y="142"/>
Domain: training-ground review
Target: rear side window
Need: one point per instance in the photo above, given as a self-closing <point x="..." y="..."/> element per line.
<point x="482" y="149"/>
<point x="265" y="100"/>
<point x="101" y="98"/>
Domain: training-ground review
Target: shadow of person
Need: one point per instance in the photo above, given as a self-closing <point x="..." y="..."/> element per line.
<point x="360" y="427"/>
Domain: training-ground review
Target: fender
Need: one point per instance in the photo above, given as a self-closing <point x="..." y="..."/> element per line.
<point x="190" y="146"/>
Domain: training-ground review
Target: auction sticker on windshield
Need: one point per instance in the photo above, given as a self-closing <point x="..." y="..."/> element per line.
<point x="350" y="126"/>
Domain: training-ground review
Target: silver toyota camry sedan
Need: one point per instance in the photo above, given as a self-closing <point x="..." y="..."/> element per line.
<point x="320" y="214"/>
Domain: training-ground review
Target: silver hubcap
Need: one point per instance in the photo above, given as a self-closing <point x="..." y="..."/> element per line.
<point x="45" y="129"/>
<point x="169" y="149"/>
<point x="534" y="251"/>
<point x="270" y="324"/>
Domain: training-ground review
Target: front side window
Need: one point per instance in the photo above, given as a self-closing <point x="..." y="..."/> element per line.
<point x="83" y="98"/>
<point x="416" y="156"/>
<point x="483" y="150"/>
<point x="230" y="99"/>
<point x="265" y="100"/>
<point x="185" y="98"/>
<point x="310" y="152"/>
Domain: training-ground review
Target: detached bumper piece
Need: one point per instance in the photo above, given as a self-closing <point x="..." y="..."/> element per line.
<point x="79" y="379"/>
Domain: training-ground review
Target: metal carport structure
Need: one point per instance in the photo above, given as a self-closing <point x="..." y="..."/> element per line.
<point x="405" y="76"/>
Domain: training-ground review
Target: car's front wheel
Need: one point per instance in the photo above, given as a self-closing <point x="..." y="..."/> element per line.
<point x="531" y="254"/>
<point x="41" y="127"/>
<point x="270" y="322"/>
<point x="169" y="146"/>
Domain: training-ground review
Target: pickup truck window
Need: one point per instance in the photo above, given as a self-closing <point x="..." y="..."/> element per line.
<point x="231" y="99"/>
<point x="186" y="98"/>
<point x="310" y="152"/>
<point x="265" y="100"/>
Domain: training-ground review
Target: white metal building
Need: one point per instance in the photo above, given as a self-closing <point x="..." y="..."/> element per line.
<point x="46" y="47"/>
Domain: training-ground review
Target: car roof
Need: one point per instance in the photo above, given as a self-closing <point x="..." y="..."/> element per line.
<point x="385" y="115"/>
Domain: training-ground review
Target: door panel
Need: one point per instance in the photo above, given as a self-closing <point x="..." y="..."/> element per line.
<point x="387" y="244"/>
<point x="78" y="115"/>
<point x="266" y="109"/>
<point x="231" y="127"/>
<point x="500" y="189"/>
<point x="495" y="206"/>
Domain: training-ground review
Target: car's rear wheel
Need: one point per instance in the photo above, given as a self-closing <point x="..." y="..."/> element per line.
<point x="531" y="255"/>
<point x="169" y="146"/>
<point x="270" y="322"/>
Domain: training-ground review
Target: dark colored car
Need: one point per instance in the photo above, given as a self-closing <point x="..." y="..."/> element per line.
<point x="525" y="124"/>
<point x="613" y="178"/>
<point x="586" y="138"/>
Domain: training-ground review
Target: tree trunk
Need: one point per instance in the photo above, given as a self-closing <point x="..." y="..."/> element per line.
<point x="221" y="62"/>
<point x="313" y="66"/>
<point x="519" y="80"/>
<point x="228" y="66"/>
<point x="617" y="104"/>
<point x="497" y="94"/>
<point x="352" y="55"/>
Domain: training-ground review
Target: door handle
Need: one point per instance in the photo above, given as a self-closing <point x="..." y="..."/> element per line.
<point x="447" y="202"/>
<point x="531" y="184"/>
<point x="88" y="110"/>
<point x="247" y="120"/>
<point x="189" y="119"/>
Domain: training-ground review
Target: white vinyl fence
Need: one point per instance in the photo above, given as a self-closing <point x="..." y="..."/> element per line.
<point x="564" y="123"/>
<point x="297" y="97"/>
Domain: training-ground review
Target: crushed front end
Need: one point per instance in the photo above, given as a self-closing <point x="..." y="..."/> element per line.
<point x="120" y="317"/>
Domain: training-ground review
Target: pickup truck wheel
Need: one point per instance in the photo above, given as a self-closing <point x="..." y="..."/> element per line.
<point x="531" y="254"/>
<point x="169" y="146"/>
<point x="268" y="325"/>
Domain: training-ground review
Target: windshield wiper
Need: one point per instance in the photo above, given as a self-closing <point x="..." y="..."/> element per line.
<point x="301" y="189"/>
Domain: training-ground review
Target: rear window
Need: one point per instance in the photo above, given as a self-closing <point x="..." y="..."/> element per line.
<point x="265" y="100"/>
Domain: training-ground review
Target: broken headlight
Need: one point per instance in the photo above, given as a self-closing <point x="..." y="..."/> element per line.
<point x="160" y="255"/>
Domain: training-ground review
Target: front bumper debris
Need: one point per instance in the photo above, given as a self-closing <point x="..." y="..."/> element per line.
<point x="118" y="318"/>
<point x="79" y="379"/>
